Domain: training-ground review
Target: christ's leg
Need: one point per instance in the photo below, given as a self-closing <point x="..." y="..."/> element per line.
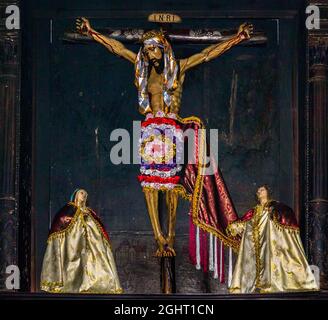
<point x="171" y="203"/>
<point x="151" y="196"/>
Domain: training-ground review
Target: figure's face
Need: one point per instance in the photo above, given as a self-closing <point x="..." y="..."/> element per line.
<point x="262" y="193"/>
<point x="154" y="54"/>
<point x="81" y="196"/>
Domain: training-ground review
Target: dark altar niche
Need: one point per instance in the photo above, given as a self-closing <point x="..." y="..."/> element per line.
<point x="310" y="200"/>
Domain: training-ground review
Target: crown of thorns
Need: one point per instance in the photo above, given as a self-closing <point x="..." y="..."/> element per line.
<point x="153" y="34"/>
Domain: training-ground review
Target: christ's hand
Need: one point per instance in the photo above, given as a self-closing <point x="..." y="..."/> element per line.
<point x="245" y="31"/>
<point x="83" y="26"/>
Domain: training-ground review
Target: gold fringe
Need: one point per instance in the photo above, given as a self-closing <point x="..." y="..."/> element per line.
<point x="275" y="219"/>
<point x="49" y="283"/>
<point x="61" y="234"/>
<point x="50" y="287"/>
<point x="234" y="244"/>
<point x="117" y="291"/>
<point x="282" y="227"/>
<point x="182" y="192"/>
<point x="53" y="287"/>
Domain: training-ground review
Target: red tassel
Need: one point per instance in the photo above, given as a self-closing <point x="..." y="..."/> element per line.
<point x="192" y="242"/>
<point x="204" y="251"/>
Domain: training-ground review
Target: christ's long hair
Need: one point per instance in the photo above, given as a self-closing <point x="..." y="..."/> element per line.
<point x="170" y="71"/>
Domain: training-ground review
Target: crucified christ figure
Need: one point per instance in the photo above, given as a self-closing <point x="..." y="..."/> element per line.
<point x="159" y="79"/>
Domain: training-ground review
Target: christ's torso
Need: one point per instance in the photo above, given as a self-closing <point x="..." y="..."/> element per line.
<point x="155" y="92"/>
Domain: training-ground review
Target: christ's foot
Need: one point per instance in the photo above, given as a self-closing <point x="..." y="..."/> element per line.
<point x="165" y="251"/>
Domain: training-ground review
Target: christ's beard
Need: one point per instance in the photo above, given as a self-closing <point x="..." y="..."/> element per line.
<point x="158" y="65"/>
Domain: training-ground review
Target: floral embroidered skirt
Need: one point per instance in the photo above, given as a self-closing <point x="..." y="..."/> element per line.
<point x="161" y="151"/>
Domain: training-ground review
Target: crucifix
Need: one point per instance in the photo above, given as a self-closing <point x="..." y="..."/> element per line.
<point x="159" y="78"/>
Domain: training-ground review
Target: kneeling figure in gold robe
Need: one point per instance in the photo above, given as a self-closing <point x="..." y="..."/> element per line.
<point x="271" y="257"/>
<point x="78" y="258"/>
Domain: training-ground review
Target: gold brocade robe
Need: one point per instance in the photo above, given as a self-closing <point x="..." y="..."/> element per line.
<point x="271" y="257"/>
<point x="79" y="259"/>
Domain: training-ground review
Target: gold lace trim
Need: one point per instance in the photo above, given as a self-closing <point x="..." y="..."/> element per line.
<point x="256" y="240"/>
<point x="56" y="287"/>
<point x="51" y="284"/>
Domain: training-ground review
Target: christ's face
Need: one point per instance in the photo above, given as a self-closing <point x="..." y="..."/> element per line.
<point x="81" y="196"/>
<point x="262" y="193"/>
<point x="154" y="54"/>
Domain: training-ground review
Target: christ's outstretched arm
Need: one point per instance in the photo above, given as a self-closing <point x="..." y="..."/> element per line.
<point x="83" y="26"/>
<point x="244" y="32"/>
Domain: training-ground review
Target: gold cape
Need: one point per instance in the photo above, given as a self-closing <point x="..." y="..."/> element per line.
<point x="79" y="259"/>
<point x="271" y="257"/>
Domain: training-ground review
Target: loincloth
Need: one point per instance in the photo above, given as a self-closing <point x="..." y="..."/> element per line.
<point x="160" y="150"/>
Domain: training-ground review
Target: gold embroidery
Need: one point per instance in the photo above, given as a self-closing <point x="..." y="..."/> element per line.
<point x="256" y="240"/>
